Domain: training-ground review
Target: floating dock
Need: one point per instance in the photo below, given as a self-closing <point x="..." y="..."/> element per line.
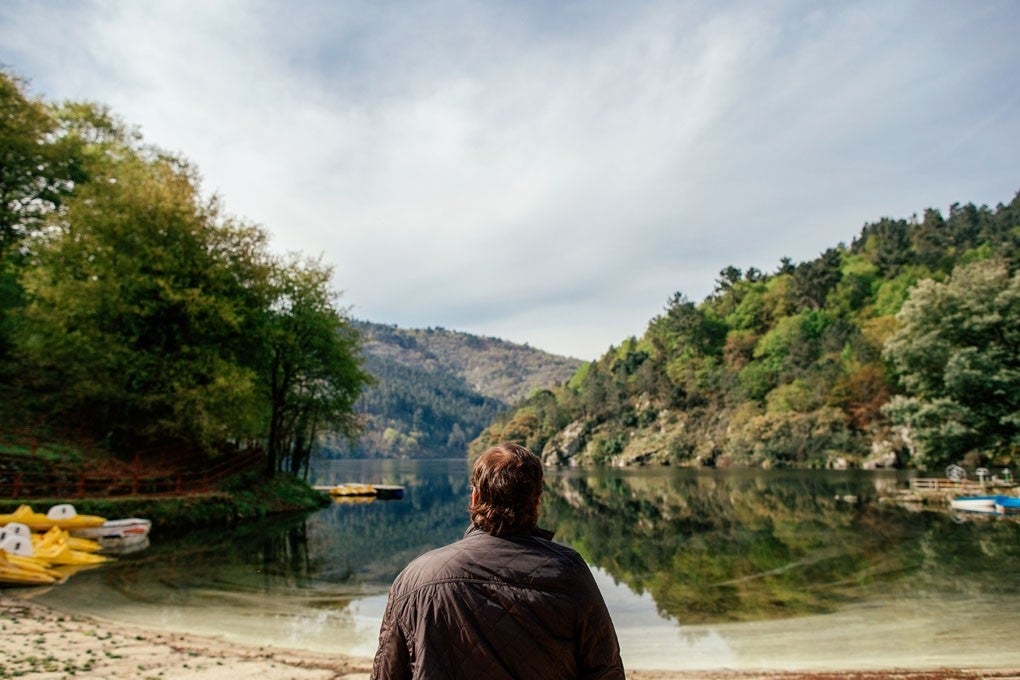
<point x="941" y="492"/>
<point x="380" y="491"/>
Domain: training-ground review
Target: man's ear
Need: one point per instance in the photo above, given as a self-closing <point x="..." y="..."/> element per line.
<point x="474" y="497"/>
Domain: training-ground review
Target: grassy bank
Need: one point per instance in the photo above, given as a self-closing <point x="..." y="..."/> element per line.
<point x="243" y="498"/>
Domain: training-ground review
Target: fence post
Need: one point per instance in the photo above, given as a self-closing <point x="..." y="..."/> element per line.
<point x="81" y="485"/>
<point x="17" y="485"/>
<point x="134" y="476"/>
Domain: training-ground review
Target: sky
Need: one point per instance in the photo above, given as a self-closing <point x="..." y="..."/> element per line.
<point x="550" y="172"/>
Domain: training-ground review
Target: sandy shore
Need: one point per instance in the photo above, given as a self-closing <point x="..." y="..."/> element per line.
<point x="39" y="643"/>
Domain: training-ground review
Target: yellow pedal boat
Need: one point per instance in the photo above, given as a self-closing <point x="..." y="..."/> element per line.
<point x="63" y="516"/>
<point x="20" y="575"/>
<point x="47" y="552"/>
<point x="55" y="536"/>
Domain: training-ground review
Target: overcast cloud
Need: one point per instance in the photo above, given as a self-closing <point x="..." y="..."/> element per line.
<point x="550" y="172"/>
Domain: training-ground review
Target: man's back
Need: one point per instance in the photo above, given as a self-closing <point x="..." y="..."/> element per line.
<point x="518" y="606"/>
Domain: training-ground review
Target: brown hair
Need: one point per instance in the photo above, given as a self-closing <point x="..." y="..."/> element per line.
<point x="508" y="482"/>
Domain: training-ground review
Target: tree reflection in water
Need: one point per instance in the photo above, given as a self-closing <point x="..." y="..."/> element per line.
<point x="706" y="546"/>
<point x="751" y="545"/>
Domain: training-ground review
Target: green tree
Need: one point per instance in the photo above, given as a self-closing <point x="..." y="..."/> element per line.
<point x="38" y="168"/>
<point x="133" y="320"/>
<point x="132" y="310"/>
<point x="930" y="238"/>
<point x="158" y="321"/>
<point x="957" y="356"/>
<point x="313" y="374"/>
<point x="685" y="330"/>
<point x="813" y="280"/>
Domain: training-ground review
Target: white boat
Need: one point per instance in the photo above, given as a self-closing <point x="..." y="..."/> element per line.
<point x="975" y="503"/>
<point x="117" y="532"/>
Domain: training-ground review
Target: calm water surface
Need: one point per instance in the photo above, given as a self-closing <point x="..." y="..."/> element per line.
<point x="701" y="569"/>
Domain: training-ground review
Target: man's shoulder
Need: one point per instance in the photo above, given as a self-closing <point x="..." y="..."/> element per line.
<point x="482" y="555"/>
<point x="436" y="562"/>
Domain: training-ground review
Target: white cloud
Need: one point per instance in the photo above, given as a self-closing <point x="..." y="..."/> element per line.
<point x="550" y="172"/>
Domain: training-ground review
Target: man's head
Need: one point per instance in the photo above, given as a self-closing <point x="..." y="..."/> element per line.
<point x="506" y="485"/>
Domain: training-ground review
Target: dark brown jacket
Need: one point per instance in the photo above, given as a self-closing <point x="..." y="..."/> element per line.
<point x="492" y="608"/>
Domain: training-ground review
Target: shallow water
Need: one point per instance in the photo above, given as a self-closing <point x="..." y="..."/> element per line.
<point x="701" y="570"/>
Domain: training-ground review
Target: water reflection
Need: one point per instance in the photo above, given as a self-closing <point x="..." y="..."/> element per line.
<point x="713" y="547"/>
<point x="699" y="568"/>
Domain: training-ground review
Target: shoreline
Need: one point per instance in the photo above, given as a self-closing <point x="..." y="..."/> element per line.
<point x="41" y="643"/>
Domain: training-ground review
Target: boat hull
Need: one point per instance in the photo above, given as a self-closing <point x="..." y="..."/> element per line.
<point x="985" y="504"/>
<point x="1008" y="506"/>
<point x="990" y="505"/>
<point x="117" y="532"/>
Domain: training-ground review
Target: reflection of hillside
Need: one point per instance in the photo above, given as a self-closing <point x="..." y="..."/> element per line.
<point x="327" y="558"/>
<point x="706" y="546"/>
<point x="745" y="546"/>
<point x="365" y="546"/>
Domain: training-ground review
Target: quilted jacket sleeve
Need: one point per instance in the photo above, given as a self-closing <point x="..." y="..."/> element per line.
<point x="598" y="650"/>
<point x="392" y="658"/>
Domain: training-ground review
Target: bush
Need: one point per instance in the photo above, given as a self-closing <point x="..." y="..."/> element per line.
<point x="246" y="497"/>
<point x="791" y="439"/>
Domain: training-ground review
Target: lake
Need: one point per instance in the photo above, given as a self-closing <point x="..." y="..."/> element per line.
<point x="701" y="569"/>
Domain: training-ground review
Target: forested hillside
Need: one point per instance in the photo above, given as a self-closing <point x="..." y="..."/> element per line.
<point x="902" y="348"/>
<point x="436" y="389"/>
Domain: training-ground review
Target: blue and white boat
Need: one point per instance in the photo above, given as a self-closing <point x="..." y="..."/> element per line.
<point x="990" y="505"/>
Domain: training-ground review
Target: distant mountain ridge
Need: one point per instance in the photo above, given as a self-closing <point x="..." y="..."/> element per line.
<point x="437" y="389"/>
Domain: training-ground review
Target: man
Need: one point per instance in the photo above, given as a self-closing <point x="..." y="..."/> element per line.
<point x="503" y="602"/>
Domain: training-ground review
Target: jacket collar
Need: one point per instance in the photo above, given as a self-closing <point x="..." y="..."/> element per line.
<point x="537" y="531"/>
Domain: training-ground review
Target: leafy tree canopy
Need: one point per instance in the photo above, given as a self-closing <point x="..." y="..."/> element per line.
<point x="957" y="355"/>
<point x="135" y="313"/>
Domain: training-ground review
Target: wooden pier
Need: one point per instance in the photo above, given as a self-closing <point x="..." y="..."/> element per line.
<point x="939" y="491"/>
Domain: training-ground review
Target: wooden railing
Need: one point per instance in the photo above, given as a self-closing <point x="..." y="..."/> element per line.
<point x="947" y="485"/>
<point x="22" y="478"/>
